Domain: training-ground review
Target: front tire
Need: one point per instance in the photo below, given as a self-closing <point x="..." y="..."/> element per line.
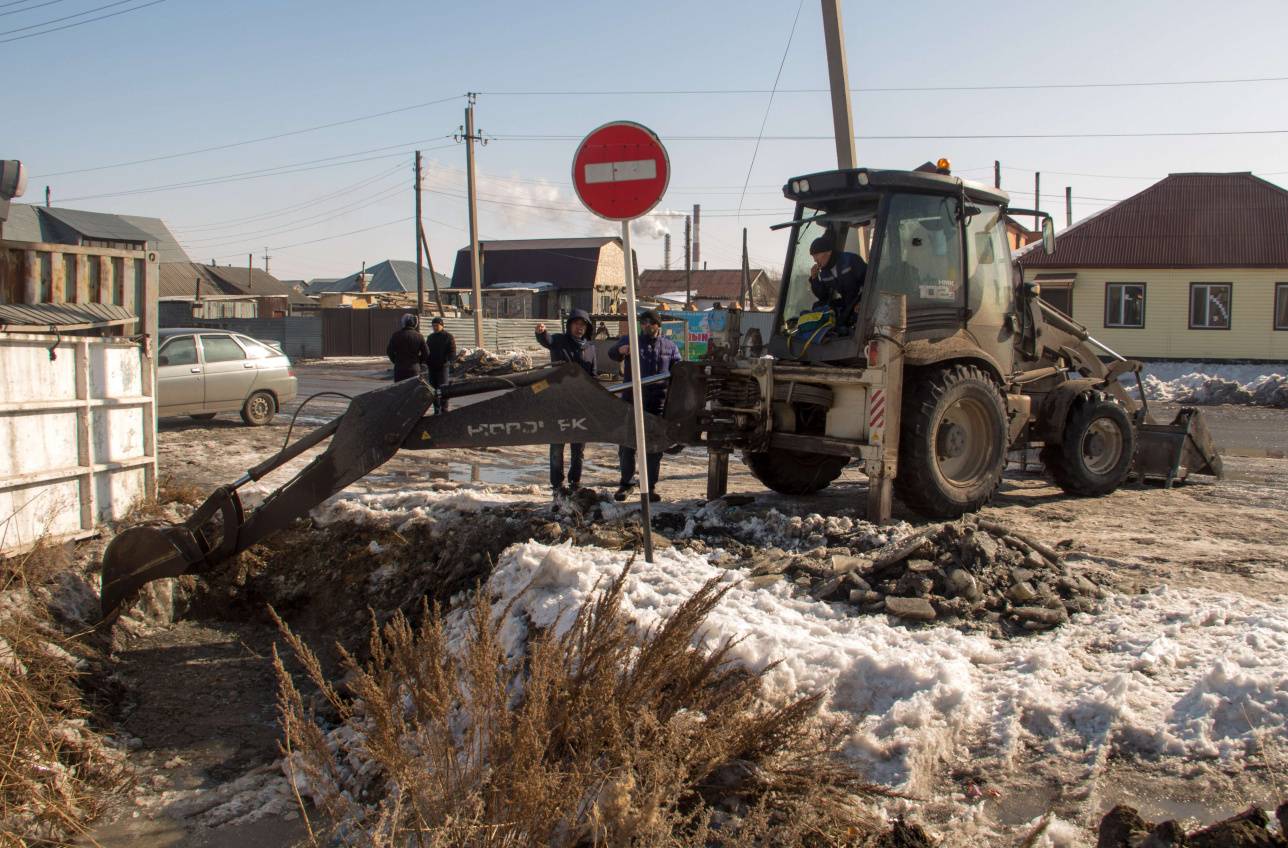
<point x="259" y="409"/>
<point x="952" y="443"/>
<point x="1097" y="449"/>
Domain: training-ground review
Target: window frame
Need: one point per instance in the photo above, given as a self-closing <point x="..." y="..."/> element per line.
<point x="1230" y="299"/>
<point x="1281" y="289"/>
<point x="226" y="335"/>
<point x="173" y="340"/>
<point x="1144" y="302"/>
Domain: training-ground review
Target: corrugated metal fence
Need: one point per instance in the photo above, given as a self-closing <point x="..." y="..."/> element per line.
<point x="366" y="332"/>
<point x="299" y="337"/>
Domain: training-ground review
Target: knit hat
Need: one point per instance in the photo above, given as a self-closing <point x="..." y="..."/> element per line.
<point x="822" y="244"/>
<point x="650" y="316"/>
<point x="409" y="320"/>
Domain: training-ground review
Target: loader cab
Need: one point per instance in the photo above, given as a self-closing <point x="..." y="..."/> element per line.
<point x="936" y="239"/>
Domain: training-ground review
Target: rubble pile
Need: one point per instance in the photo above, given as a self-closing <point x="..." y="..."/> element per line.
<point x="973" y="571"/>
<point x="1122" y="827"/>
<point x="481" y="362"/>
<point x="1207" y="390"/>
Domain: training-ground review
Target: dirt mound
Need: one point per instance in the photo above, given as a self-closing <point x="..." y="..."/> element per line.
<point x="1123" y="827"/>
<point x="972" y="571"/>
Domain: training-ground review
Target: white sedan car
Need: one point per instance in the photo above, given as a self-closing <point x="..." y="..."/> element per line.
<point x="202" y="372"/>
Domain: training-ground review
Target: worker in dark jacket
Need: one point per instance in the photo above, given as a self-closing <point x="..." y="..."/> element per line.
<point x="836" y="278"/>
<point x="572" y="345"/>
<point x="442" y="353"/>
<point x="407" y="350"/>
<point x="657" y="355"/>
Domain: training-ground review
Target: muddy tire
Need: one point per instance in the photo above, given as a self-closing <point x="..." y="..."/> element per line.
<point x="790" y="472"/>
<point x="259" y="409"/>
<point x="1097" y="450"/>
<point x="952" y="443"/>
<point x="204" y="416"/>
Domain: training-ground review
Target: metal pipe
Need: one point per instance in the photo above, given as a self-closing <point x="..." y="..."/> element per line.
<point x="617" y="388"/>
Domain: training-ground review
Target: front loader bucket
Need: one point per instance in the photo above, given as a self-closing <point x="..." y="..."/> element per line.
<point x="140" y="555"/>
<point x="1173" y="451"/>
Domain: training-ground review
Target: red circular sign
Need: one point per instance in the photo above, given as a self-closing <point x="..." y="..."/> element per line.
<point x="621" y="171"/>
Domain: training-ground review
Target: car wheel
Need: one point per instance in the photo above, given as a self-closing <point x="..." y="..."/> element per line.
<point x="259" y="409"/>
<point x="204" y="416"/>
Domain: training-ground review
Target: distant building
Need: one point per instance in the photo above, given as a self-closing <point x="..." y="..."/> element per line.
<point x="1193" y="267"/>
<point x="710" y="286"/>
<point x="191" y="290"/>
<point x="389" y="277"/>
<point x="56" y="225"/>
<point x="546" y="278"/>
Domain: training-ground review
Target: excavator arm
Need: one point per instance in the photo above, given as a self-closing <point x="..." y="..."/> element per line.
<point x="556" y="405"/>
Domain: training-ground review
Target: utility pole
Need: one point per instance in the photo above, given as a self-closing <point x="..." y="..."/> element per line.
<point x="1037" y="199"/>
<point x="697" y="226"/>
<point x="266" y="258"/>
<point x="469" y="137"/>
<point x="433" y="278"/>
<point x="420" y="259"/>
<point x="838" y="81"/>
<point x="250" y="268"/>
<point x="688" y="262"/>
<point x="47" y="197"/>
<point x="1068" y="206"/>
<point x="744" y="290"/>
<point x="997" y="174"/>
<point x="666" y="252"/>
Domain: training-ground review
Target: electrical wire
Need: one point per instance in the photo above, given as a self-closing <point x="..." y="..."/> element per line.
<point x="300" y="409"/>
<point x="80" y="23"/>
<point x="244" y="142"/>
<point x="65" y="17"/>
<point x="770" y="105"/>
<point x="949" y="137"/>
<point x="29" y="8"/>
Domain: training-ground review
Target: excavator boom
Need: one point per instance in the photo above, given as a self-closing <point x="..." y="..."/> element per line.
<point x="556" y="405"/>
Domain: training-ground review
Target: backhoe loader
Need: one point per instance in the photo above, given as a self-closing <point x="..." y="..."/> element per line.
<point x="948" y="362"/>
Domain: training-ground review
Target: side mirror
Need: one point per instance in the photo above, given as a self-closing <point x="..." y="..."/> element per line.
<point x="1048" y="236"/>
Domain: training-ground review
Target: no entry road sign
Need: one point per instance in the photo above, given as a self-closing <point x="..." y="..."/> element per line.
<point x="621" y="170"/>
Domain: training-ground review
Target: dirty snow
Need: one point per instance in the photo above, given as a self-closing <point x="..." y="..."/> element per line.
<point x="1212" y="382"/>
<point x="1167" y="673"/>
<point x="437" y="501"/>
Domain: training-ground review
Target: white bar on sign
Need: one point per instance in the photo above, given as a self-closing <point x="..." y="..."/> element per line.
<point x="620" y="172"/>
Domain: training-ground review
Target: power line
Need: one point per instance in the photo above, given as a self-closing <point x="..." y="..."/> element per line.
<point x="252" y="140"/>
<point x="293" y="226"/>
<point x="936" y="137"/>
<point x="29" y="8"/>
<point x="770" y="105"/>
<point x="64" y="17"/>
<point x="890" y="89"/>
<point x="80" y="23"/>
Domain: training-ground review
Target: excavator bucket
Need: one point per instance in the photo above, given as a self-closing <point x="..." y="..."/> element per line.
<point x="1173" y="451"/>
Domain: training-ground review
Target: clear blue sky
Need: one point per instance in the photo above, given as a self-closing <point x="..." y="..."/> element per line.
<point x="188" y="74"/>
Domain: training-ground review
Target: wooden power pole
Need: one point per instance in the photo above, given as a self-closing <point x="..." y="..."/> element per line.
<point x="1068" y="206"/>
<point x="420" y="259"/>
<point x="838" y="82"/>
<point x="688" y="262"/>
<point x="744" y="290"/>
<point x="1037" y="200"/>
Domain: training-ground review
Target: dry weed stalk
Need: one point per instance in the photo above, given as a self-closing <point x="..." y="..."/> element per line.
<point x="602" y="736"/>
<point x="55" y="773"/>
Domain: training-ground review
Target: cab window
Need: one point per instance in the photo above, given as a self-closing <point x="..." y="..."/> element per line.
<point x="921" y="251"/>
<point x="220" y="349"/>
<point x="988" y="263"/>
<point x="851" y="228"/>
<point x="180" y="350"/>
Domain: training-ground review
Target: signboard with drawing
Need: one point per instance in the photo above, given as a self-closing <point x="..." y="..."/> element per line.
<point x="691" y="332"/>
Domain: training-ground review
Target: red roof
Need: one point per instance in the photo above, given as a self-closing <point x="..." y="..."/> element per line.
<point x="1184" y="221"/>
<point x="717" y="283"/>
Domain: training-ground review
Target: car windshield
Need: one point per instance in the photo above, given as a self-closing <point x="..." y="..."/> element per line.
<point x="851" y="228"/>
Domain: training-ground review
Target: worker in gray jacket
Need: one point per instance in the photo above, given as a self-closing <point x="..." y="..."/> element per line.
<point x="572" y="345"/>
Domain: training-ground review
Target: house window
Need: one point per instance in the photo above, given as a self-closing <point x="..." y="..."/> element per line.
<point x="1125" y="305"/>
<point x="1281" y="306"/>
<point x="1210" y="306"/>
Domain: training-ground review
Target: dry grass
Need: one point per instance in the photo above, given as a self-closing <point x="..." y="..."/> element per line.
<point x="55" y="773"/>
<point x="35" y="566"/>
<point x="599" y="737"/>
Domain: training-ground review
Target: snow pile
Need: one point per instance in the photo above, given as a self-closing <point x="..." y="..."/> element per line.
<point x="1165" y="673"/>
<point x="1212" y="383"/>
<point x="480" y="362"/>
<point x="437" y="500"/>
<point x="719" y="519"/>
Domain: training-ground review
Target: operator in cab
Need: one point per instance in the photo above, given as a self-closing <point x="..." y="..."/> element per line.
<point x="836" y="279"/>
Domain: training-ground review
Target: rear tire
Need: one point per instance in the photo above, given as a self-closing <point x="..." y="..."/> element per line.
<point x="204" y="416"/>
<point x="791" y="472"/>
<point x="259" y="409"/>
<point x="952" y="443"/>
<point x="1097" y="449"/>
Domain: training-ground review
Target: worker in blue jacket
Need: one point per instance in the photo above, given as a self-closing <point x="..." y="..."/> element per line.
<point x="572" y="345"/>
<point x="657" y="355"/>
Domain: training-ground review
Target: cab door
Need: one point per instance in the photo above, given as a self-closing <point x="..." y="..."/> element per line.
<point x="179" y="378"/>
<point x="990" y="291"/>
<point x="229" y="374"/>
<point x="921" y="258"/>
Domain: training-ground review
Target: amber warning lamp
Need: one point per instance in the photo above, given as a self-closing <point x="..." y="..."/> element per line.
<point x="944" y="166"/>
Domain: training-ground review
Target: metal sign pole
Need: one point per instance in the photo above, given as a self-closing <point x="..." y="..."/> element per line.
<point x="637" y="394"/>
